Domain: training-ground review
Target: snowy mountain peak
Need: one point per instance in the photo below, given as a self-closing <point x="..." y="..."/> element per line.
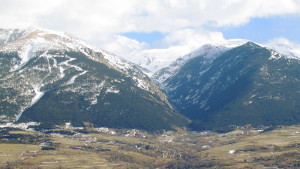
<point x="43" y="39"/>
<point x="208" y="51"/>
<point x="29" y="41"/>
<point x="231" y="43"/>
<point x="212" y="49"/>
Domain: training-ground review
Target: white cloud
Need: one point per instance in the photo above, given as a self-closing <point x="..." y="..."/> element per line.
<point x="101" y="22"/>
<point x="124" y="45"/>
<point x="192" y="37"/>
<point x="19" y="13"/>
<point x="237" y="12"/>
<point x="282" y="41"/>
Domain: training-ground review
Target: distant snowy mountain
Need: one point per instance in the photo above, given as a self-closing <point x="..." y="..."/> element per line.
<point x="159" y="64"/>
<point x="209" y="52"/>
<point x="285" y="48"/>
<point x="53" y="77"/>
<point x="153" y="60"/>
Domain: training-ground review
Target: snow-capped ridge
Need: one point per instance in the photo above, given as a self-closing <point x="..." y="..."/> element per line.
<point x="154" y="60"/>
<point x="40" y="40"/>
<point x="209" y="51"/>
<point x="36" y="39"/>
<point x="232" y="43"/>
<point x="286" y="49"/>
<point x="10" y="35"/>
<point x="212" y="48"/>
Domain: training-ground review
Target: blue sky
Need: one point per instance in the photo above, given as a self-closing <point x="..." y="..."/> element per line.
<point x="147" y="37"/>
<point x="259" y="30"/>
<point x="262" y="30"/>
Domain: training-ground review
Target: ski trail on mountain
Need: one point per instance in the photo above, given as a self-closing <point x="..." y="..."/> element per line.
<point x="25" y="56"/>
<point x="67" y="64"/>
<point x="72" y="80"/>
<point x="38" y="95"/>
<point x="48" y="61"/>
<point x="37" y="88"/>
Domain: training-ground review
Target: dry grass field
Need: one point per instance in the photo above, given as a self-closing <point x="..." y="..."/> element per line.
<point x="72" y="148"/>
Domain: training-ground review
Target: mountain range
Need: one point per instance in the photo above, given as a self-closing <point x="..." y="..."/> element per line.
<point x="54" y="78"/>
<point x="227" y="87"/>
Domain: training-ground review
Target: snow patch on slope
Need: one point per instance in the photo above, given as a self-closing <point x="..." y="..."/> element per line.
<point x="112" y="90"/>
<point x="141" y="83"/>
<point x="275" y="55"/>
<point x="23" y="126"/>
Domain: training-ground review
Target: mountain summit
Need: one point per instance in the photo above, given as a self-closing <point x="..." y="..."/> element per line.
<point x="54" y="78"/>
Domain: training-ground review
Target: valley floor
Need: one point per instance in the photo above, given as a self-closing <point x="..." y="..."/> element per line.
<point x="107" y="148"/>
